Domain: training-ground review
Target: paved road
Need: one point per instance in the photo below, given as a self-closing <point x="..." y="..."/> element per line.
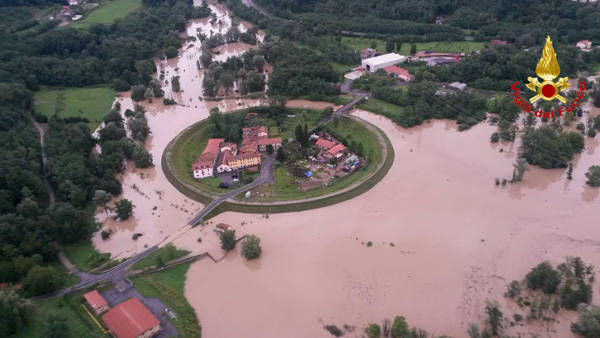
<point x="118" y="274"/>
<point x="266" y="176"/>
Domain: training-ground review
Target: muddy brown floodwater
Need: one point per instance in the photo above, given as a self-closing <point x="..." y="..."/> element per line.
<point x="445" y="238"/>
<point x="159" y="208"/>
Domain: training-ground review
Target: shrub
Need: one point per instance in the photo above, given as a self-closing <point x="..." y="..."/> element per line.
<point x="105" y="234"/>
<point x="495" y="137"/>
<point x="124" y="209"/>
<point x="121" y="85"/>
<point x="334" y="330"/>
<point x="169" y="102"/>
<point x="593" y="176"/>
<point x="588" y="323"/>
<point x="373" y="331"/>
<point x="251" y="247"/>
<point x="514" y="290"/>
<point x="544" y="277"/>
<point x="570" y="298"/>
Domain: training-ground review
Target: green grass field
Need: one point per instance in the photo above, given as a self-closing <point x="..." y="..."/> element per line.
<point x="168" y="286"/>
<point x="90" y="102"/>
<point x="108" y="12"/>
<point x="358" y="43"/>
<point x="84" y="255"/>
<point x="595" y="67"/>
<point x="381" y="107"/>
<point x="68" y="307"/>
<point x="166" y="254"/>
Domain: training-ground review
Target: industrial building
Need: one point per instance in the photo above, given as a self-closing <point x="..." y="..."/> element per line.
<point x="379" y="62"/>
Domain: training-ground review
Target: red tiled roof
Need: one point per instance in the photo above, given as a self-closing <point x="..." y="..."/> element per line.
<point x="213" y="145"/>
<point x="249" y="147"/>
<point x="95" y="299"/>
<point x="130" y="319"/>
<point x="396" y="70"/>
<point x="498" y="42"/>
<point x="272" y="140"/>
<point x="338" y="148"/>
<point x="204" y="161"/>
<point x="321" y="142"/>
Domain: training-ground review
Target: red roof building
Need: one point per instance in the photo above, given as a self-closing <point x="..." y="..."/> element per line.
<point x="336" y="151"/>
<point x="323" y="143"/>
<point x="584" y="44"/>
<point x="264" y="142"/>
<point x="96" y="302"/>
<point x="131" y="319"/>
<point x="498" y="43"/>
<point x="398" y="72"/>
<point x="203" y="167"/>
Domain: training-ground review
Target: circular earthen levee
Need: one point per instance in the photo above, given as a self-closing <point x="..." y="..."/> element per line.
<point x="342" y="194"/>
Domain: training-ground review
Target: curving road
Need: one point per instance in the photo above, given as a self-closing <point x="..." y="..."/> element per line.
<point x="266" y="176"/>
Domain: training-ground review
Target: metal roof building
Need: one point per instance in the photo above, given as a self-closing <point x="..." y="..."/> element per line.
<point x="379" y="62"/>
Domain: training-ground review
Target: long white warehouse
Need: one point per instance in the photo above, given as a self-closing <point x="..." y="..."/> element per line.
<point x="379" y="62"/>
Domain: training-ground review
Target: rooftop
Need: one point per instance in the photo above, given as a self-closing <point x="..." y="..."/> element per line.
<point x="396" y="70"/>
<point x="386" y="58"/>
<point x="213" y="145"/>
<point x="95" y="299"/>
<point x="130" y="319"/>
<point x="338" y="148"/>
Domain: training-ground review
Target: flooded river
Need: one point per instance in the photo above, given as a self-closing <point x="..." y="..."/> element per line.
<point x="444" y="237"/>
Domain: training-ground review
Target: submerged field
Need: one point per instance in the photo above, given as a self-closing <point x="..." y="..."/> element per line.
<point x="90" y="103"/>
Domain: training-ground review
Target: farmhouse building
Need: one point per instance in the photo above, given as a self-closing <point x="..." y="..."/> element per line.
<point x="368" y="53"/>
<point x="498" y="43"/>
<point x="584" y="44"/>
<point x="273" y="141"/>
<point x="131" y="319"/>
<point x="337" y="151"/>
<point x="400" y="73"/>
<point x="379" y="62"/>
<point x="96" y="302"/>
<point x="203" y="167"/>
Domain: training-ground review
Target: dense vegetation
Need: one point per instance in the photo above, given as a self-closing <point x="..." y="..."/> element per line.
<point x="509" y="20"/>
<point x="549" y="148"/>
<point x="40" y="55"/>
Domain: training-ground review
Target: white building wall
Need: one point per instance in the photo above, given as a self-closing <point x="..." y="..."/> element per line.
<point x="203" y="173"/>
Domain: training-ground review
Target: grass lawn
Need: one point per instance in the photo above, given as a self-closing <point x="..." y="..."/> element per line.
<point x="166" y="254"/>
<point x="595" y="67"/>
<point x="340" y="68"/>
<point x="358" y="43"/>
<point x="108" y="12"/>
<point x="381" y="107"/>
<point x="90" y="102"/>
<point x="68" y="307"/>
<point x="84" y="255"/>
<point x="168" y="286"/>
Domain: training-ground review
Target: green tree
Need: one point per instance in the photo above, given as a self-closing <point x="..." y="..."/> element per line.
<point x="280" y="157"/>
<point x="41" y="280"/>
<point x="171" y="52"/>
<point x="413" y="49"/>
<point x="251" y="247"/>
<point x="373" y="331"/>
<point x="227" y="240"/>
<point x="400" y="328"/>
<point x="141" y="157"/>
<point x="544" y="277"/>
<point x="137" y="93"/>
<point x="520" y="166"/>
<point x="588" y="323"/>
<point x="175" y="85"/>
<point x="270" y="149"/>
<point x="101" y="198"/>
<point x="494" y="317"/>
<point x="15" y="311"/>
<point x="55" y="326"/>
<point x="124" y="208"/>
<point x="593" y="176"/>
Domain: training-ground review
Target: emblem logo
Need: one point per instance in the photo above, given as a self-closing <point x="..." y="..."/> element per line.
<point x="548" y="69"/>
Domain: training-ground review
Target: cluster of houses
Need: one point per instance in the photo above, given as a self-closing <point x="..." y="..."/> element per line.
<point x="219" y="157"/>
<point x="129" y="319"/>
